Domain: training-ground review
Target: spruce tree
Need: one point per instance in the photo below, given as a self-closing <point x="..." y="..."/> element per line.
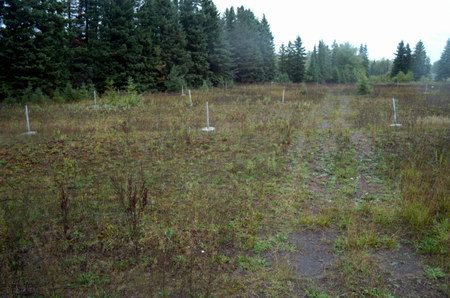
<point x="83" y="19"/>
<point x="219" y="56"/>
<point x="296" y="59"/>
<point x="267" y="50"/>
<point x="443" y="69"/>
<point x="168" y="40"/>
<point x="313" y="68"/>
<point x="119" y="52"/>
<point x="400" y="60"/>
<point x="364" y="55"/>
<point x="324" y="62"/>
<point x="420" y="62"/>
<point x="282" y="60"/>
<point x="193" y="23"/>
<point x="246" y="53"/>
<point x="32" y="43"/>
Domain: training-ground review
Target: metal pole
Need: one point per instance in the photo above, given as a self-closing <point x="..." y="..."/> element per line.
<point x="95" y="98"/>
<point x="27" y="118"/>
<point x="190" y="98"/>
<point x="395" y="110"/>
<point x="207" y="115"/>
<point x="284" y="90"/>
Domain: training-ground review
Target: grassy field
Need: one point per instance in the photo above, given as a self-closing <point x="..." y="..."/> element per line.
<point x="316" y="197"/>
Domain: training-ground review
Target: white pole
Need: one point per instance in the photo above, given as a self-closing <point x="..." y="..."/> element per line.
<point x="284" y="90"/>
<point x="190" y="98"/>
<point x="395" y="111"/>
<point x="207" y="115"/>
<point x="27" y="118"/>
<point x="95" y="98"/>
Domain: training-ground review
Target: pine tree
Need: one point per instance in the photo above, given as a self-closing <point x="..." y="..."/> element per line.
<point x="32" y="43"/>
<point x="282" y="60"/>
<point x="313" y="68"/>
<point x="83" y="17"/>
<point x="245" y="50"/>
<point x="403" y="59"/>
<point x="219" y="56"/>
<point x="267" y="50"/>
<point x="193" y="23"/>
<point x="420" y="62"/>
<point x="296" y="59"/>
<point x="324" y="62"/>
<point x="119" y="52"/>
<point x="168" y="40"/>
<point x="443" y="70"/>
<point x="364" y="55"/>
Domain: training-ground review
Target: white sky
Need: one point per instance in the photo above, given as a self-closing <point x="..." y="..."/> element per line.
<point x="380" y="24"/>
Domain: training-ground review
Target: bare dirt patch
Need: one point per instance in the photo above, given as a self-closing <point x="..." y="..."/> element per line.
<point x="404" y="273"/>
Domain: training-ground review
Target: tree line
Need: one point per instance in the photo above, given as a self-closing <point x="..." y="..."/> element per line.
<point x="158" y="44"/>
<point x="55" y="46"/>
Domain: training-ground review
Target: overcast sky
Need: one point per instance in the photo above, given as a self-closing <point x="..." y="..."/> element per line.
<point x="380" y="24"/>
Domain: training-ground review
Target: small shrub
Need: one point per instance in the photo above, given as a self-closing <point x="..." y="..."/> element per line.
<point x="434" y="272"/>
<point x="363" y="86"/>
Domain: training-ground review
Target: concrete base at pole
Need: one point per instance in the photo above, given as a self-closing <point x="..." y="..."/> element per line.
<point x="208" y="129"/>
<point x="29" y="133"/>
<point x="395" y="125"/>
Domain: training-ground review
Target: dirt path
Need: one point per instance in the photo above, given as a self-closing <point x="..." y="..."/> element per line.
<point x="339" y="173"/>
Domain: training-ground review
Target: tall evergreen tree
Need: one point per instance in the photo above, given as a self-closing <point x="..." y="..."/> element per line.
<point x="421" y="65"/>
<point x="32" y="46"/>
<point x="267" y="50"/>
<point x="324" y="62"/>
<point x="193" y="23"/>
<point x="168" y="40"/>
<point x="282" y="60"/>
<point x="403" y="59"/>
<point x="313" y="68"/>
<point x="443" y="69"/>
<point x="296" y="60"/>
<point x="364" y="55"/>
<point x="119" y="52"/>
<point x="219" y="56"/>
<point x="245" y="49"/>
<point x="82" y="17"/>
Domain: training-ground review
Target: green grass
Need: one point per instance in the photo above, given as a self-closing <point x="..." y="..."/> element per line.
<point x="133" y="193"/>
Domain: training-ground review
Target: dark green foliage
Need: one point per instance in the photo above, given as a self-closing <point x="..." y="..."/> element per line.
<point x="267" y="50"/>
<point x="313" y="68"/>
<point x="364" y="55"/>
<point x="33" y="48"/>
<point x="245" y="51"/>
<point x="324" y="62"/>
<point x="193" y="23"/>
<point x="443" y="65"/>
<point x="421" y="65"/>
<point x="282" y="61"/>
<point x="219" y="56"/>
<point x="403" y="59"/>
<point x="47" y="46"/>
<point x="296" y="61"/>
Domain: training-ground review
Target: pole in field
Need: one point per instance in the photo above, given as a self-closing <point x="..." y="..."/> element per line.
<point x="282" y="99"/>
<point x="27" y="118"/>
<point x="208" y="128"/>
<point x="95" y="99"/>
<point x="190" y="98"/>
<point x="395" y="124"/>
<point x="426" y="89"/>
